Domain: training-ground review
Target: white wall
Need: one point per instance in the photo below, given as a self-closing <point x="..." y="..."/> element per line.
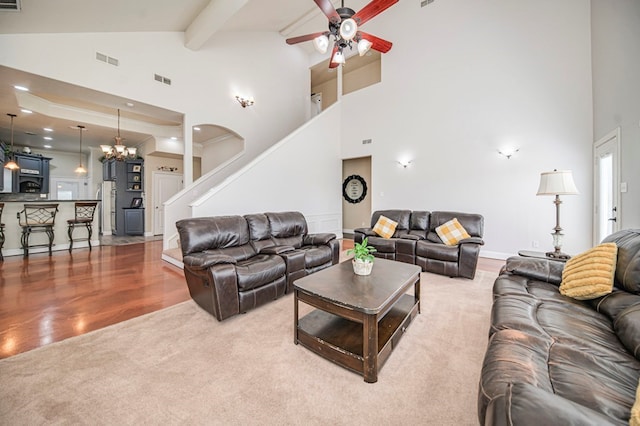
<point x="302" y="172"/>
<point x="616" y="91"/>
<point x="471" y="78"/>
<point x="204" y="83"/>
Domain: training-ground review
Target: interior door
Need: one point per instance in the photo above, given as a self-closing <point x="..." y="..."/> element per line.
<point x="165" y="186"/>
<point x="606" y="176"/>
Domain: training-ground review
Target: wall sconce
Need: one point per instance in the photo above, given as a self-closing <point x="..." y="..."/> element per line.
<point x="508" y="152"/>
<point x="404" y="163"/>
<point x="245" y="102"/>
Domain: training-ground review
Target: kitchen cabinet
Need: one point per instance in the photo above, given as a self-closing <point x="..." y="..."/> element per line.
<point x="133" y="221"/>
<point x="128" y="178"/>
<point x="32" y="175"/>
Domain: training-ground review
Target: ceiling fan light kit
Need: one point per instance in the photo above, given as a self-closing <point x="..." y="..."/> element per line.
<point x="344" y="27"/>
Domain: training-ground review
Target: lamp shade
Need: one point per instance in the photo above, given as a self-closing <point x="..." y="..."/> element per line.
<point x="363" y="46"/>
<point x="321" y="43"/>
<point x="557" y="182"/>
<point x="348" y="29"/>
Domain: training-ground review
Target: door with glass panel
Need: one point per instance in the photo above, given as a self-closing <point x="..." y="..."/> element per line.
<point x="606" y="218"/>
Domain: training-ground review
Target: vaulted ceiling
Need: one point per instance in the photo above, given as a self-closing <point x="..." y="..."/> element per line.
<point x="200" y="20"/>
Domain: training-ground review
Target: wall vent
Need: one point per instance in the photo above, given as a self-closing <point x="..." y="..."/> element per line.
<point x="161" y="79"/>
<point x="10" y="5"/>
<point x="107" y="59"/>
<point x="424" y="3"/>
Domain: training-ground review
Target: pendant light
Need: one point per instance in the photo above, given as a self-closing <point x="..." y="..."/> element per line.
<point x="119" y="151"/>
<point x="11" y="165"/>
<point x="81" y="170"/>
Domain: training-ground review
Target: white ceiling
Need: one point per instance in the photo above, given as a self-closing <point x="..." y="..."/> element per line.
<point x="288" y="17"/>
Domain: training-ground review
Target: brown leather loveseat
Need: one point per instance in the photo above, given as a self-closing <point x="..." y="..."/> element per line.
<point x="415" y="241"/>
<point x="552" y="359"/>
<point x="236" y="263"/>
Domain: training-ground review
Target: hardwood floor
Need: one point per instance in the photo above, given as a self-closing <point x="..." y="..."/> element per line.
<point x="47" y="299"/>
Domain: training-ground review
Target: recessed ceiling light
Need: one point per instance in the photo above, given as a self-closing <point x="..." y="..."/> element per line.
<point x="197" y="129"/>
<point x="24" y="89"/>
<point x="48" y="138"/>
<point x="129" y="104"/>
<point x="26" y="111"/>
<point x="173" y="138"/>
<point x="47" y="146"/>
<point x="46" y="129"/>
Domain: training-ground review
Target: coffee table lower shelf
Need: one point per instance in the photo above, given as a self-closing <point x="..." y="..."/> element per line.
<point x="341" y="340"/>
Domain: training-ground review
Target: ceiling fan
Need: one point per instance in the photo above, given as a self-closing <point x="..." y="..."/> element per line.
<point x="344" y="27"/>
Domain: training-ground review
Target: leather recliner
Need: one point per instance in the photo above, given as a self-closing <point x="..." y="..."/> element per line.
<point x="552" y="359"/>
<point x="233" y="263"/>
<point x="461" y="260"/>
<point x="415" y="241"/>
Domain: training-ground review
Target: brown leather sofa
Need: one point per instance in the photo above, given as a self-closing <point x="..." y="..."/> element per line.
<point x="236" y="263"/>
<point x="415" y="241"/>
<point x="552" y="359"/>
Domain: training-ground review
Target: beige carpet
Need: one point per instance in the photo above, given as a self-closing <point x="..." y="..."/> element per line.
<point x="181" y="366"/>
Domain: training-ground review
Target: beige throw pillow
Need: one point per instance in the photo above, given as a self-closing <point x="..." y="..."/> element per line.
<point x="590" y="274"/>
<point x="635" y="410"/>
<point x="385" y="227"/>
<point x="452" y="232"/>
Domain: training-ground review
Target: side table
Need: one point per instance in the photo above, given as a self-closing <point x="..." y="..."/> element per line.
<point x="539" y="255"/>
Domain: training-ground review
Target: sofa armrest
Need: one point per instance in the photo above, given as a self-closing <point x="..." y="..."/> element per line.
<point x="472" y="240"/>
<point x="522" y="403"/>
<point x="317" y="239"/>
<point x="202" y="260"/>
<point x="368" y="232"/>
<point x="276" y="249"/>
<point x="540" y="269"/>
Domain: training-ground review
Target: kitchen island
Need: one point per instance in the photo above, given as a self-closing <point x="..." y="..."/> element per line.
<point x="14" y="203"/>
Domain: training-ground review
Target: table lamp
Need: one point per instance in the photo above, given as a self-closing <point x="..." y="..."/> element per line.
<point x="557" y="182"/>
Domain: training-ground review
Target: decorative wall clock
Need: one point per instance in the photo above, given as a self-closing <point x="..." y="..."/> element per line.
<point x="354" y="189"/>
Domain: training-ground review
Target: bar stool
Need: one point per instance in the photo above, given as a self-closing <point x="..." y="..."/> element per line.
<point x="1" y="232"/>
<point x="84" y="217"/>
<point x="36" y="218"/>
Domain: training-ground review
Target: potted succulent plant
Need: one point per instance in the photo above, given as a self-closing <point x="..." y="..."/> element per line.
<point x="362" y="257"/>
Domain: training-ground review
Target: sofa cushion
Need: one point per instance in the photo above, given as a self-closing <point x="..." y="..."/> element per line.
<point x="385" y="227"/>
<point x="627" y="326"/>
<point x="316" y="255"/>
<point x="259" y="270"/>
<point x="400" y="216"/>
<point x="383" y="245"/>
<point x="437" y="251"/>
<point x="452" y="232"/>
<point x="590" y="274"/>
<point x="628" y="265"/>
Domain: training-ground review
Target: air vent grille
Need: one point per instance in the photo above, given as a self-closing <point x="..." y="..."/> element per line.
<point x="162" y="79"/>
<point x="10" y="5"/>
<point x="424" y="3"/>
<point x="107" y="59"/>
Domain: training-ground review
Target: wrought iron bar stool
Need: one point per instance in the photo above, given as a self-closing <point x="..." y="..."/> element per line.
<point x="35" y="218"/>
<point x="83" y="218"/>
<point x="1" y="232"/>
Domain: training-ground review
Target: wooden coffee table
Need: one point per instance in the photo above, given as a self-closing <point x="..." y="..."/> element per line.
<point x="358" y="320"/>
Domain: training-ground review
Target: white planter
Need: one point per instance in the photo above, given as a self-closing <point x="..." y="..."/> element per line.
<point x="362" y="268"/>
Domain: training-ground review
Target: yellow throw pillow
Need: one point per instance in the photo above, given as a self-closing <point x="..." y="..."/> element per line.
<point x="635" y="410"/>
<point x="590" y="274"/>
<point x="385" y="227"/>
<point x="451" y="232"/>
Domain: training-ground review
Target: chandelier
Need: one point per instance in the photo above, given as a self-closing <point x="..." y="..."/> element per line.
<point x="118" y="151"/>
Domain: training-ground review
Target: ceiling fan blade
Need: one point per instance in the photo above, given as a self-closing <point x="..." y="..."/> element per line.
<point x="307" y="37"/>
<point x="331" y="63"/>
<point x="379" y="44"/>
<point x="328" y="9"/>
<point x="373" y="9"/>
